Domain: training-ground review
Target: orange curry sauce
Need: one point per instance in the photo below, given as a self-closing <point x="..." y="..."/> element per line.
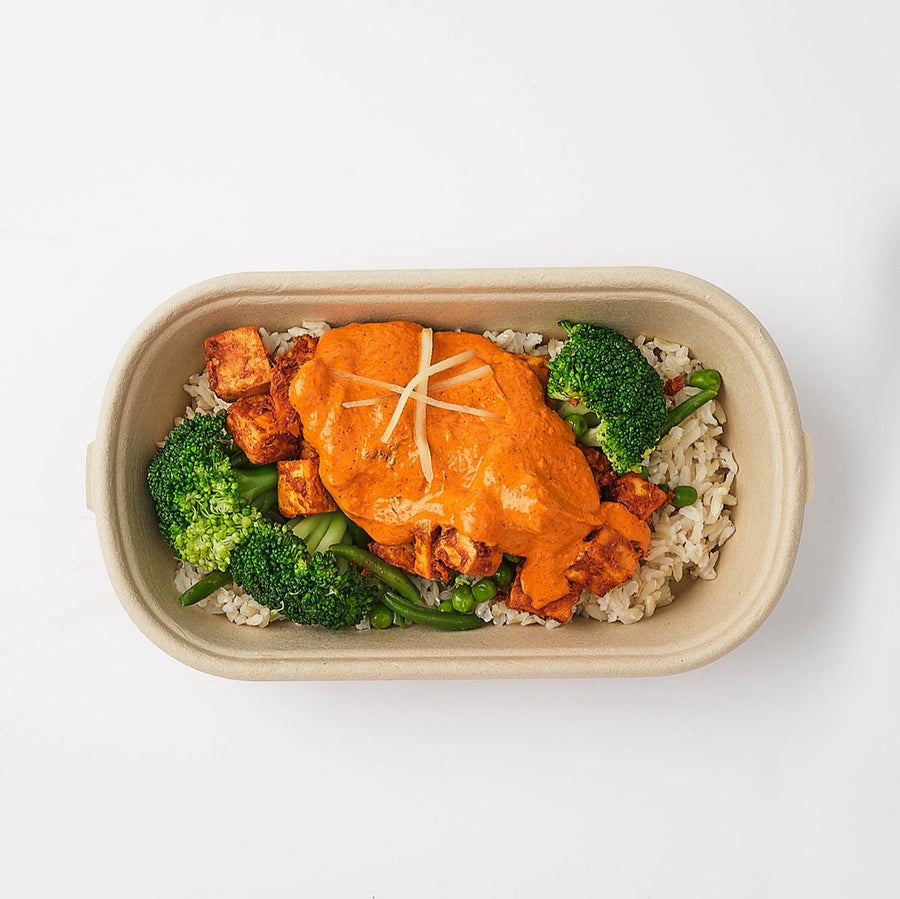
<point x="518" y="482"/>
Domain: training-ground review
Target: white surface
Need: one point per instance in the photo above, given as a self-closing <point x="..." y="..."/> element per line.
<point x="755" y="145"/>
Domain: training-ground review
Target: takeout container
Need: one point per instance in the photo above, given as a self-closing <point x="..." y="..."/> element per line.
<point x="708" y="618"/>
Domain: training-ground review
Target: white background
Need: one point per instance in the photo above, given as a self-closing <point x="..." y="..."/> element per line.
<point x="142" y="149"/>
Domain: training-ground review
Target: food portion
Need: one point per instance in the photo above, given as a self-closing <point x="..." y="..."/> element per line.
<point x="397" y="469"/>
<point x="601" y="373"/>
<point x="508" y="480"/>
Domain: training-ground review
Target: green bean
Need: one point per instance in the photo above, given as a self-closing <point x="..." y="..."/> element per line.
<point x="684" y="496"/>
<point x="710" y="382"/>
<point x="239" y="458"/>
<point x="445" y="621"/>
<point x="206" y="586"/>
<point x="484" y="590"/>
<point x="505" y="575"/>
<point x="358" y="535"/>
<point x="391" y="576"/>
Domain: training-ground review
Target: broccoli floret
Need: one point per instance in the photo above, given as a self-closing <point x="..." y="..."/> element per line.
<point x="275" y="567"/>
<point x="206" y="506"/>
<point x="601" y="372"/>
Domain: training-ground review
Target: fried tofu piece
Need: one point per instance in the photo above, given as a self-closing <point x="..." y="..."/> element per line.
<point x="402" y="556"/>
<point x="237" y="364"/>
<point x="673" y="385"/>
<point x="599" y="465"/>
<point x="637" y="494"/>
<point x="611" y="553"/>
<point x="283" y="373"/>
<point x="467" y="556"/>
<point x="616" y="516"/>
<point x="607" y="560"/>
<point x="300" y="489"/>
<point x="416" y="557"/>
<point x="251" y="422"/>
<point x="426" y="565"/>
<point x="559" y="609"/>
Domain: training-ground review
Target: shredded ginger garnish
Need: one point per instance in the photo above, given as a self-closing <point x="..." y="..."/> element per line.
<point x="420" y="391"/>
<point x="417" y="389"/>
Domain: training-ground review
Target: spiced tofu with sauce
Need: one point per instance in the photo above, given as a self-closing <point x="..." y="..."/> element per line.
<point x="283" y="372"/>
<point x="252" y="423"/>
<point x="300" y="489"/>
<point x="237" y="364"/>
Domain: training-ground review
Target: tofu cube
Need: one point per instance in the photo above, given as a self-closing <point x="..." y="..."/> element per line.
<point x="283" y="373"/>
<point x="558" y="609"/>
<point x="402" y="556"/>
<point x="638" y="495"/>
<point x="416" y="557"/>
<point x="251" y="422"/>
<point x="237" y="364"/>
<point x="300" y="489"/>
<point x="467" y="556"/>
<point x="607" y="560"/>
<point x="426" y="565"/>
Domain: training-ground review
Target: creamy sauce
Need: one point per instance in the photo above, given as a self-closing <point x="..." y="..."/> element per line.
<point x="518" y="482"/>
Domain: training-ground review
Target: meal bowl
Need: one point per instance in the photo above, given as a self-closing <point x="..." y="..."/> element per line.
<point x="708" y="618"/>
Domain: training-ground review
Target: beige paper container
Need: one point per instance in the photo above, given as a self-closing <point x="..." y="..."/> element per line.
<point x="708" y="619"/>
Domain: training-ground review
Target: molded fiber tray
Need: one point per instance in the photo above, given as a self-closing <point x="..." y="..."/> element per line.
<point x="708" y="618"/>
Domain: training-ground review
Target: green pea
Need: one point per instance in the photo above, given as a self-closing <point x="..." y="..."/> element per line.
<point x="505" y="575"/>
<point x="579" y="425"/>
<point x="684" y="496"/>
<point x="463" y="598"/>
<point x="514" y="559"/>
<point x="446" y="605"/>
<point x="484" y="590"/>
<point x="381" y="616"/>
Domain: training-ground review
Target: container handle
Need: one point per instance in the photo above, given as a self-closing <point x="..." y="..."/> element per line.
<point x="810" y="467"/>
<point x="88" y="477"/>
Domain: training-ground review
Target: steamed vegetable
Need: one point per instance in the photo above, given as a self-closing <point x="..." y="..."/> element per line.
<point x="445" y="621"/>
<point x="601" y="373"/>
<point x="684" y="496"/>
<point x="320" y="532"/>
<point x="205" y="505"/>
<point x="277" y="569"/>
<point x="392" y="577"/>
<point x="710" y="382"/>
<point x="206" y="586"/>
<point x="211" y="513"/>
